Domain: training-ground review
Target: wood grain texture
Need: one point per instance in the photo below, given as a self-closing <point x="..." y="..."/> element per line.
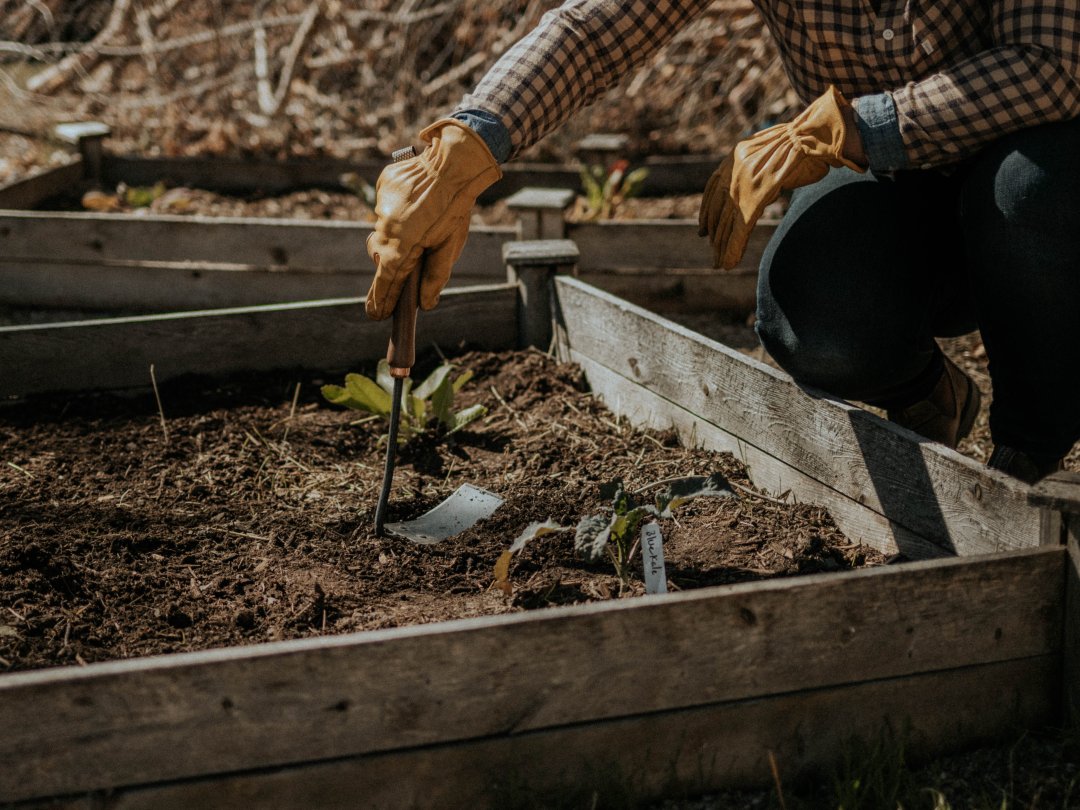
<point x="1071" y="679"/>
<point x="146" y="287"/>
<point x="935" y="492"/>
<point x="90" y="238"/>
<point x="667" y="754"/>
<point x="1059" y="492"/>
<point x="856" y="521"/>
<point x="41" y="185"/>
<point x="130" y="722"/>
<point x="116" y="353"/>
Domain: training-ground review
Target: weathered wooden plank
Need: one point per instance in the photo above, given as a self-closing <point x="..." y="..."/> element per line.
<point x="679" y="290"/>
<point x="656" y="243"/>
<point x="279" y="243"/>
<point x="275" y="176"/>
<point x="1059" y="492"/>
<point x="935" y="492"/>
<point x="41" y="185"/>
<point x="678" y="174"/>
<point x="117" y="352"/>
<point x="130" y="722"/>
<point x="1071" y="679"/>
<point x="671" y="753"/>
<point x="225" y="174"/>
<point x="858" y="522"/>
<point x="171" y="286"/>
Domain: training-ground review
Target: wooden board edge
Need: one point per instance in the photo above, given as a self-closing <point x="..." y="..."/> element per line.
<point x="776" y="477"/>
<point x="148" y="287"/>
<point x="648" y="757"/>
<point x="84" y="237"/>
<point x="74" y="727"/>
<point x="1071" y="679"/>
<point x="329" y="335"/>
<point x="39" y="186"/>
<point x="960" y="500"/>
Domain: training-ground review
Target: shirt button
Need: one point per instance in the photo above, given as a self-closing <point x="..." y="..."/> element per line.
<point x="887" y="34"/>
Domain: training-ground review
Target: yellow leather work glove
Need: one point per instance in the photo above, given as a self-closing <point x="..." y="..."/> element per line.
<point x="785" y="156"/>
<point x="423" y="207"/>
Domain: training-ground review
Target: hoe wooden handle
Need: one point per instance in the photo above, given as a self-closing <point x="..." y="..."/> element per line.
<point x="402" y="351"/>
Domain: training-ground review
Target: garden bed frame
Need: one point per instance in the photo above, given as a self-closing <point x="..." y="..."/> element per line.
<point x="681" y="692"/>
<point x="160" y="263"/>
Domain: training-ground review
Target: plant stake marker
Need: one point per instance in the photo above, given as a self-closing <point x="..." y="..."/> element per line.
<point x="652" y="555"/>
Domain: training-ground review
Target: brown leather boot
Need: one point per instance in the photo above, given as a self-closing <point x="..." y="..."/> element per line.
<point x="948" y="414"/>
<point x="1028" y="467"/>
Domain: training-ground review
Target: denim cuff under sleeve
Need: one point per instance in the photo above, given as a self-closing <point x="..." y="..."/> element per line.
<point x="490" y="129"/>
<point x="879" y="127"/>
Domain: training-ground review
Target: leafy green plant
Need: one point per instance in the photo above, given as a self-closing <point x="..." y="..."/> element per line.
<point x="431" y="399"/>
<point x="605" y="191"/>
<point x="616" y="534"/>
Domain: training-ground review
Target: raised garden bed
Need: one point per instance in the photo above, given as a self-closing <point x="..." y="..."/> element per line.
<point x="248" y="516"/>
<point x="686" y="691"/>
<point x="162" y="261"/>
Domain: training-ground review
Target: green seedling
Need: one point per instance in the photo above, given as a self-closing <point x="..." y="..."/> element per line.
<point x="605" y="191"/>
<point x="431" y="399"/>
<point x="616" y="534"/>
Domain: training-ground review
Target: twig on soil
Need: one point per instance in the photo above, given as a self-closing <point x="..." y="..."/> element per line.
<point x="15" y="466"/>
<point x="161" y="411"/>
<point x="776" y="778"/>
<point x="517" y="417"/>
<point x="245" y="534"/>
<point x="760" y="495"/>
<point x="292" y="412"/>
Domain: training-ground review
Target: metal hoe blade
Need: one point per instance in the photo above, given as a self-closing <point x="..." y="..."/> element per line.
<point x="465" y="507"/>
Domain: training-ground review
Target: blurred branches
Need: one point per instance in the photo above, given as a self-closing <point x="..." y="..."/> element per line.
<point x="354" y="78"/>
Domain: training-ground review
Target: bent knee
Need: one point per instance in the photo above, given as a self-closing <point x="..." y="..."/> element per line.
<point x="844" y="365"/>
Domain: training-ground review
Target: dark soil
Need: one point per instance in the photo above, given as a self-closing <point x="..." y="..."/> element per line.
<point x="253" y="519"/>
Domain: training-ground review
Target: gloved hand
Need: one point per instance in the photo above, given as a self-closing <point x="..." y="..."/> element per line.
<point x="785" y="156"/>
<point x="424" y="204"/>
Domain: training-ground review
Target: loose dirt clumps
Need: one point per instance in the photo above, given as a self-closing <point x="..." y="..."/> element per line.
<point x="247" y="516"/>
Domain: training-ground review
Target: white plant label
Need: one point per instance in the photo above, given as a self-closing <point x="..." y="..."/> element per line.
<point x="652" y="554"/>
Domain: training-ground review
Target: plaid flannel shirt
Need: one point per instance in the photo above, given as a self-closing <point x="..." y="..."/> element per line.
<point x="932" y="80"/>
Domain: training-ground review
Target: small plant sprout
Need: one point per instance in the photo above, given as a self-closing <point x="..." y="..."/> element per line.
<point x="431" y="399"/>
<point x="616" y="534"/>
<point x="605" y="191"/>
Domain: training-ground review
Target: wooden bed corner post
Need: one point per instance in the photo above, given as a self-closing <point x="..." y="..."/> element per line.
<point x="541" y="211"/>
<point x="1058" y="496"/>
<point x="533" y="267"/>
<point x="89" y="136"/>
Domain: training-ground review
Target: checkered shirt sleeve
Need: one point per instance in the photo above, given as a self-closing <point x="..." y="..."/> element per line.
<point x="960" y="73"/>
<point x="1027" y="74"/>
<point x="576" y="53"/>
